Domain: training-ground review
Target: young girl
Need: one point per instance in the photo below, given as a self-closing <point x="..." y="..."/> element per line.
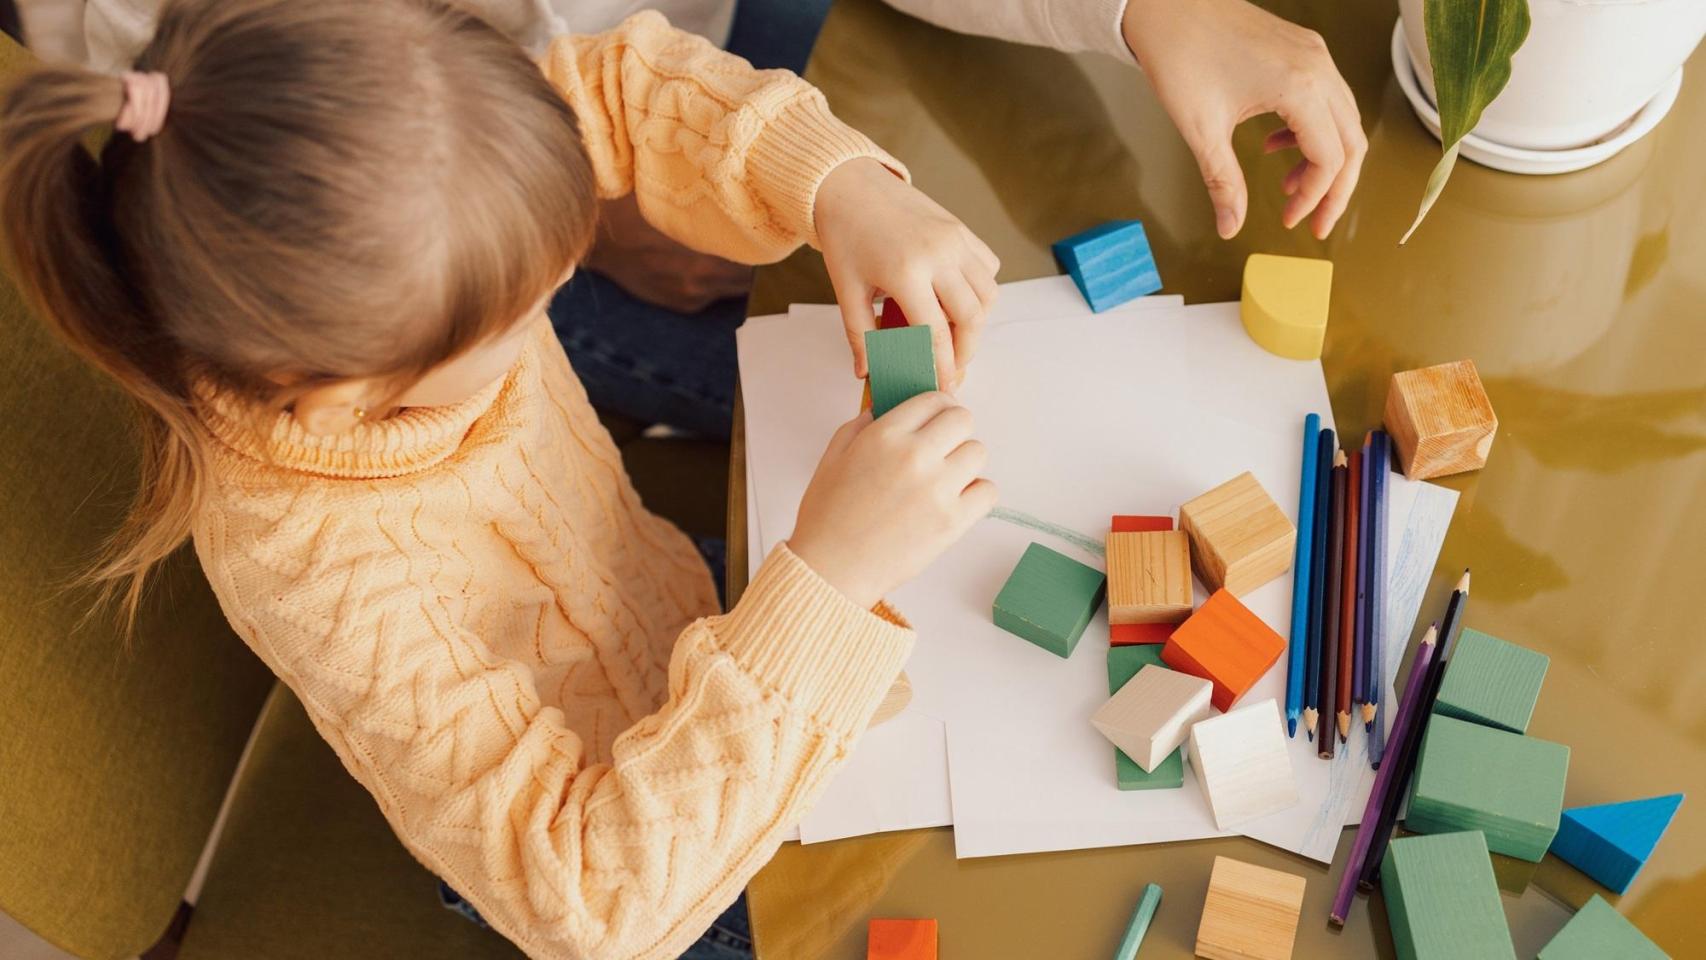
<point x="315" y="250"/>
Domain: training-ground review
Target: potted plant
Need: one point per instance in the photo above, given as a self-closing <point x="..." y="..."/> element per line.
<point x="1545" y="85"/>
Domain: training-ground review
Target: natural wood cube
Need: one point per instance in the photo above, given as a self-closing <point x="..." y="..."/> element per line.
<point x="1225" y="644"/>
<point x="1240" y="538"/>
<point x="1243" y="765"/>
<point x="1250" y="912"/>
<point x="1149" y="716"/>
<point x="1441" y="419"/>
<point x="1149" y="577"/>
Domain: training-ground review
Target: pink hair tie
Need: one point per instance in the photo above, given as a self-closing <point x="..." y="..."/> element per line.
<point x="146" y="96"/>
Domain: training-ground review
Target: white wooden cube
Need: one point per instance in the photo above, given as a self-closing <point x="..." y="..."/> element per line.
<point x="1242" y="764"/>
<point x="1151" y="715"/>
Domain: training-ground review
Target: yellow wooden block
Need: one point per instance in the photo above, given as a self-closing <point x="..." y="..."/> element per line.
<point x="1284" y="305"/>
<point x="1250" y="913"/>
<point x="1240" y="538"/>
<point x="1440" y="419"/>
<point x="1149" y="577"/>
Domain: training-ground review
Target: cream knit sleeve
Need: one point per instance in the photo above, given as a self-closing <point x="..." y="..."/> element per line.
<point x="721" y="156"/>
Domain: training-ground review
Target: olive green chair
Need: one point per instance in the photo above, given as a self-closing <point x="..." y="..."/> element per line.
<point x="114" y="760"/>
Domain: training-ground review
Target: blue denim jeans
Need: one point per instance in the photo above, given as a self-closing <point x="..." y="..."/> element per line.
<point x="650" y="363"/>
<point x="729" y="938"/>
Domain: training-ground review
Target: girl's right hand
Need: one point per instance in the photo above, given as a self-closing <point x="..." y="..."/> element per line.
<point x="890" y="496"/>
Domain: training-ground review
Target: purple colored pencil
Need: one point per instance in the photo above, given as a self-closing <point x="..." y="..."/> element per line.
<point x="1408" y="710"/>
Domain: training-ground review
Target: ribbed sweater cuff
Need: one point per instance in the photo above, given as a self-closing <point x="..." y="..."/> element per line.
<point x="804" y="639"/>
<point x="797" y="150"/>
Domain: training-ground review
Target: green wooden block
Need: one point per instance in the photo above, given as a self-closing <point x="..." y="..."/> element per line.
<point x="1123" y="664"/>
<point x="1049" y="599"/>
<point x="1599" y="932"/>
<point x="1508" y="786"/>
<point x="1492" y="681"/>
<point x="1442" y="900"/>
<point x="902" y="366"/>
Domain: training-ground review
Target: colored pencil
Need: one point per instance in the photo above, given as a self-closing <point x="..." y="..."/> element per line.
<point x="1403" y="761"/>
<point x="1332" y="608"/>
<point x="1365" y="538"/>
<point x="1348" y="596"/>
<point x="1378" y="516"/>
<point x="1298" y="653"/>
<point x="1409" y="709"/>
<point x="1324" y="447"/>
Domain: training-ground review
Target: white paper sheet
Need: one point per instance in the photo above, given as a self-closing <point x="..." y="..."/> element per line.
<point x="1129" y="412"/>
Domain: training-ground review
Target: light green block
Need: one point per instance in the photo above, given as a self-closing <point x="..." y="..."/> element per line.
<point x="1049" y="599"/>
<point x="902" y="366"/>
<point x="1442" y="900"/>
<point x="1123" y="664"/>
<point x="1508" y="786"/>
<point x="1492" y="681"/>
<point x="1599" y="932"/>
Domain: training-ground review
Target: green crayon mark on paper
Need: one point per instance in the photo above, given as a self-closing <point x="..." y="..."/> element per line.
<point x="1018" y="519"/>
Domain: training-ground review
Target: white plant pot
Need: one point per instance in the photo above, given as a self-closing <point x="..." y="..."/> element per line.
<point x="1586" y="68"/>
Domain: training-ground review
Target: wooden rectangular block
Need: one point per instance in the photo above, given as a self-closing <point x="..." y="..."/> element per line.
<point x="902" y="365"/>
<point x="1129" y="634"/>
<point x="1225" y="644"/>
<point x="1123" y="664"/>
<point x="1149" y="577"/>
<point x="1508" y="786"/>
<point x="1250" y="912"/>
<point x="1243" y="765"/>
<point x="1240" y="538"/>
<point x="1599" y="932"/>
<point x="1049" y="599"/>
<point x="1611" y="842"/>
<point x="1149" y="717"/>
<point x="1284" y="304"/>
<point x="1491" y="682"/>
<point x="900" y="939"/>
<point x="1440" y="419"/>
<point x="1111" y="264"/>
<point x="1442" y="899"/>
<point x="1140" y="523"/>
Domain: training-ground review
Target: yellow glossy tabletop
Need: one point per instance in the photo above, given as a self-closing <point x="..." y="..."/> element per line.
<point x="1582" y="298"/>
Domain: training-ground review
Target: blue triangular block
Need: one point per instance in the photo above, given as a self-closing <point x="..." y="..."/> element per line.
<point x="1111" y="264"/>
<point x="1611" y="842"/>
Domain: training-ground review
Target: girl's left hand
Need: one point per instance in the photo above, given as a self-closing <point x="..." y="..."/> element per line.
<point x="879" y="234"/>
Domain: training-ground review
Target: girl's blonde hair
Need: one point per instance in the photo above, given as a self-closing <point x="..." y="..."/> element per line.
<point x="340" y="190"/>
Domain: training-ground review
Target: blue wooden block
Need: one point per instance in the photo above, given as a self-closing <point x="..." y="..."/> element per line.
<point x="1111" y="264"/>
<point x="1611" y="842"/>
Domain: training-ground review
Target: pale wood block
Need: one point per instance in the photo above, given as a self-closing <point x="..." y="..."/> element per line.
<point x="1242" y="764"/>
<point x="1250" y="912"/>
<point x="1240" y="538"/>
<point x="1149" y="577"/>
<point x="1149" y="717"/>
<point x="1441" y="420"/>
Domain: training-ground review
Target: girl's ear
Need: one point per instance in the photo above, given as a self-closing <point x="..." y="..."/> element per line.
<point x="334" y="407"/>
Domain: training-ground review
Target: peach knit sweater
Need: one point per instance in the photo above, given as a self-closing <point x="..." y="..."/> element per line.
<point x="524" y="667"/>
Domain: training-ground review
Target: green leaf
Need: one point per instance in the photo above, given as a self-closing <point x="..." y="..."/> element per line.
<point x="1470" y="44"/>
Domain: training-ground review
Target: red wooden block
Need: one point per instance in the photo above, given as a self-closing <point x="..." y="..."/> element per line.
<point x="1130" y="634"/>
<point x="900" y="940"/>
<point x="892" y="317"/>
<point x="1225" y="644"/>
<point x="1137" y="524"/>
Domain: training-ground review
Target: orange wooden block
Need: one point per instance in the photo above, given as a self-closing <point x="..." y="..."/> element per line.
<point x="1225" y="644"/>
<point x="1130" y="634"/>
<point x="1140" y="524"/>
<point x="889" y="939"/>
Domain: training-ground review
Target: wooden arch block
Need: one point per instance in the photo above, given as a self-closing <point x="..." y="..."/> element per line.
<point x="1443" y="899"/>
<point x="1440" y="419"/>
<point x="1284" y="304"/>
<point x="1243" y="764"/>
<point x="1149" y="577"/>
<point x="1611" y="842"/>
<point x="1150" y="715"/>
<point x="1250" y="912"/>
<point x="1240" y="538"/>
<point x="1225" y="644"/>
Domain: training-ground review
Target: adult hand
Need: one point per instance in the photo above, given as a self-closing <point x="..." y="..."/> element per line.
<point x="642" y="260"/>
<point x="1217" y="63"/>
<point x="879" y="234"/>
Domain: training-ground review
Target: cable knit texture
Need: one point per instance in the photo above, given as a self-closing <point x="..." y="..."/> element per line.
<point x="524" y="667"/>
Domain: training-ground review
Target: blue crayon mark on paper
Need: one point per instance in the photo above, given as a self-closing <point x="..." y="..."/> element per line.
<point x="1017" y="518"/>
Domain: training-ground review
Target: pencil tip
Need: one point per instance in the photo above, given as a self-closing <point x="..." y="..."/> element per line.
<point x="1291" y="727"/>
<point x="1463" y="584"/>
<point x="1432" y="634"/>
<point x="1339" y="459"/>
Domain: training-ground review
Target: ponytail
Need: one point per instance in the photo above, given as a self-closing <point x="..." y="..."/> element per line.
<point x="56" y="231"/>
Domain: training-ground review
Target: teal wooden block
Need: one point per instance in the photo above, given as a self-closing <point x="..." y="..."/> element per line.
<point x="1141" y="917"/>
<point x="1049" y="599"/>
<point x="1611" y="842"/>
<point x="1508" y="786"/>
<point x="902" y="366"/>
<point x="1111" y="264"/>
<point x="1492" y="681"/>
<point x="1442" y="900"/>
<point x="1169" y="774"/>
<point x="1599" y="932"/>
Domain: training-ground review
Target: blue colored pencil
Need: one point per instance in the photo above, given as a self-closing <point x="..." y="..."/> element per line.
<point x="1360" y="672"/>
<point x="1377" y="598"/>
<point x="1325" y="444"/>
<point x="1298" y="652"/>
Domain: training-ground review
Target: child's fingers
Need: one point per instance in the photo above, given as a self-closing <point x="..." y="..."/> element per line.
<point x="914" y="412"/>
<point x="922" y="309"/>
<point x="987" y="289"/>
<point x="963" y="465"/>
<point x="857" y="316"/>
<point x="983" y="253"/>
<point x="978" y="498"/>
<point x="1307" y="113"/>
<point x="965" y="314"/>
<point x="846" y="433"/>
<point x="945" y="431"/>
<point x="1281" y="139"/>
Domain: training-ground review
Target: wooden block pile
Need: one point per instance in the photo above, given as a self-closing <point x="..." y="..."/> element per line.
<point x="1123" y="664"/>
